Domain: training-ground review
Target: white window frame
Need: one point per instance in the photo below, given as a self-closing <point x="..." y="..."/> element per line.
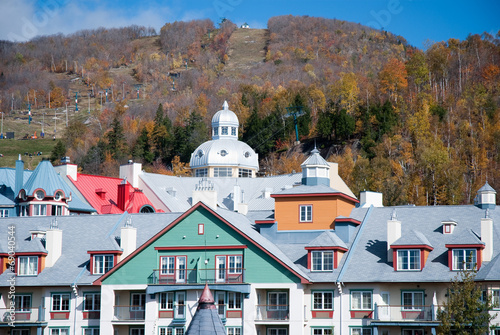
<point x="171" y="331"/>
<point x="495" y="299"/>
<point x="201" y="172"/>
<point x="27" y="266"/>
<point x="233" y="331"/>
<point x="237" y="262"/>
<point x="361" y="331"/>
<point x="224" y="130"/>
<point x="4" y="213"/>
<point x="233" y="131"/>
<point x="136" y="331"/>
<point x="319" y="298"/>
<point x="322" y="331"/>
<point x="405" y="257"/>
<point x="22" y="303"/>
<point x="365" y="300"/>
<point x="234" y="301"/>
<point x="180" y="305"/>
<point x="459" y="259"/>
<point x="104" y="265"/>
<point x="58" y="305"/>
<point x="167" y="265"/>
<point x="39" y="209"/>
<point x="59" y="331"/>
<point x="244" y="173"/>
<point x="166" y="301"/>
<point x="222" y="172"/>
<point x="418" y="331"/>
<point x="323" y="265"/>
<point x="305" y="213"/>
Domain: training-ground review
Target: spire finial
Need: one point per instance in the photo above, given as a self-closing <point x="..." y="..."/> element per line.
<point x="225" y="106"/>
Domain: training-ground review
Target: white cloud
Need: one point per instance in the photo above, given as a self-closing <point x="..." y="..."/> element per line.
<point x="23" y="20"/>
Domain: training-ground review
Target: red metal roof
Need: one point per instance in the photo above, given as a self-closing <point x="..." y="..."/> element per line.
<point x="102" y="194"/>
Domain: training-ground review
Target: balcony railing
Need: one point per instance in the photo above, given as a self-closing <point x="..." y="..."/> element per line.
<point x="129" y="313"/>
<point x="175" y="312"/>
<point x="32" y="315"/>
<point x="272" y="313"/>
<point x="197" y="276"/>
<point x="405" y="313"/>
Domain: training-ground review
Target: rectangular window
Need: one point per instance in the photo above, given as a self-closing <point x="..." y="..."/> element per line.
<point x="323" y="331"/>
<point x="223" y="172"/>
<point x="28" y="265"/>
<point x="323" y="300"/>
<point x="306" y="213"/>
<point x="22" y="303"/>
<point x="234" y="300"/>
<point x="464" y="259"/>
<point x="233" y="330"/>
<point x="220" y="303"/>
<point x="39" y="210"/>
<point x="361" y="331"/>
<point x="103" y="263"/>
<point x="60" y="302"/>
<point x="409" y="259"/>
<point x="361" y="300"/>
<point x="167" y="301"/>
<point x="91" y="331"/>
<point x="59" y="331"/>
<point x="20" y="332"/>
<point x="180" y="305"/>
<point x="235" y="264"/>
<point x="277" y="301"/>
<point x="201" y="173"/>
<point x="244" y="173"/>
<point x="56" y="210"/>
<point x="413" y="332"/>
<point x="171" y="331"/>
<point x="413" y="300"/>
<point x="495" y="299"/>
<point x="136" y="331"/>
<point x="277" y="331"/>
<point x="233" y="131"/>
<point x="201" y="229"/>
<point x="24" y="210"/>
<point x="167" y="265"/>
<point x="224" y="131"/>
<point x="91" y="302"/>
<point x="4" y="213"/>
<point x="322" y="260"/>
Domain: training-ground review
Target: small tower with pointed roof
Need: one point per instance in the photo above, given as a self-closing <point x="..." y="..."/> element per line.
<point x="315" y="170"/>
<point x="486" y="197"/>
<point x="206" y="320"/>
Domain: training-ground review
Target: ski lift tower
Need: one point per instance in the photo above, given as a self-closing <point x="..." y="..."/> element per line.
<point x="295" y="111"/>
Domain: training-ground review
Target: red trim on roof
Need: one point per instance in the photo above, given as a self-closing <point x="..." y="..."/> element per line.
<point x="202" y="247"/>
<point x="327" y="248"/>
<point x="265" y="221"/>
<point x="461" y="246"/>
<point x="33" y="253"/>
<point x="175" y="222"/>
<point x="412" y="246"/>
<point x="105" y="252"/>
<point x="349" y="220"/>
<point x="338" y="194"/>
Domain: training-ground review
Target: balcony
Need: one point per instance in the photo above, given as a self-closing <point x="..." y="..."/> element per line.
<point x="272" y="313"/>
<point x="197" y="276"/>
<point x="129" y="313"/>
<point x="405" y="313"/>
<point x="34" y="315"/>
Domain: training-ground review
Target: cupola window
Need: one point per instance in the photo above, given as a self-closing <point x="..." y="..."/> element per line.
<point x="39" y="194"/>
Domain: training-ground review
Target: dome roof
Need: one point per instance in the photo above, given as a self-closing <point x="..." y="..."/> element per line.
<point x="225" y="117"/>
<point x="224" y="152"/>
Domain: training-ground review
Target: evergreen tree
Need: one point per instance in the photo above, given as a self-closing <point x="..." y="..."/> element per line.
<point x="467" y="310"/>
<point x="116" y="140"/>
<point x="58" y="152"/>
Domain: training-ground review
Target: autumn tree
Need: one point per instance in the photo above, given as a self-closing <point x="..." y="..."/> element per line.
<point x="393" y="79"/>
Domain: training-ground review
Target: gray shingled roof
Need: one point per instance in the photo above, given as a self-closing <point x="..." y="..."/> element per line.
<point x="327" y="239"/>
<point x="308" y="189"/>
<point x="368" y="260"/>
<point x="314" y="159"/>
<point x="206" y="322"/>
<point x="413" y="238"/>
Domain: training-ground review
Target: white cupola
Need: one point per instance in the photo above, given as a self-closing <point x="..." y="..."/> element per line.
<point x="486" y="197"/>
<point x="225" y="124"/>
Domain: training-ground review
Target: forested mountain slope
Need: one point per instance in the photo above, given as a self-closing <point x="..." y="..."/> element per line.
<point x="422" y="127"/>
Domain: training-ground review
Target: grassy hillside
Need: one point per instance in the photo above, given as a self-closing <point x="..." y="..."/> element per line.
<point x="28" y="149"/>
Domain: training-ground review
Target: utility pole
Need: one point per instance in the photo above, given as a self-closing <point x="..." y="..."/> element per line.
<point x="123" y="90"/>
<point x="29" y="113"/>
<point x="12" y="106"/>
<point x="76" y="103"/>
<point x="89" y="102"/>
<point x="49" y="99"/>
<point x="66" y="114"/>
<point x="55" y="121"/>
<point x="1" y="130"/>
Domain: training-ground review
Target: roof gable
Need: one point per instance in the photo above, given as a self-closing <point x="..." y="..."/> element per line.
<point x="46" y="178"/>
<point x="412" y="238"/>
<point x="327" y="239"/>
<point x="183" y="234"/>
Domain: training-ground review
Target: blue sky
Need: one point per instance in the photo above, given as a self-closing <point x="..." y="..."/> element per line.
<point x="419" y="21"/>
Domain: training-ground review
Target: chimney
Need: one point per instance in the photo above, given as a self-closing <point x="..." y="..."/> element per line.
<point x="53" y="244"/>
<point x="368" y="198"/>
<point x="19" y="178"/>
<point x="128" y="238"/>
<point x="206" y="193"/>
<point x="487" y="237"/>
<point x="124" y="190"/>
<point x="131" y="172"/>
<point x="67" y="169"/>
<point x="393" y="233"/>
<point x="236" y="197"/>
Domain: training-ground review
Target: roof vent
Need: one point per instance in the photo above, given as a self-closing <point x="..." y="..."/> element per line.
<point x="54" y="224"/>
<point x="172" y="191"/>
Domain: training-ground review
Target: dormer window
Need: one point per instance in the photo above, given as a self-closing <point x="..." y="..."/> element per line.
<point x="322" y="260"/>
<point x="40" y="194"/>
<point x="464" y="259"/>
<point x="408" y="259"/>
<point x="27" y="266"/>
<point x="449" y="226"/>
<point x="102" y="264"/>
